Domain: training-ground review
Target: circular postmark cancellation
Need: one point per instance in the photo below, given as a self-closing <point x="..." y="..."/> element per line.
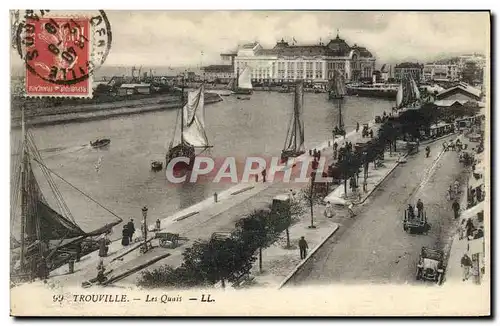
<point x="61" y="52"/>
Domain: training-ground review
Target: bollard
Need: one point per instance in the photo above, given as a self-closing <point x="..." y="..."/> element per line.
<point x="215" y="197"/>
<point x="71" y="265"/>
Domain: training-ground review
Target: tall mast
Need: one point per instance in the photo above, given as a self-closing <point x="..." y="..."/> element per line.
<point x="23" y="190"/>
<point x="182" y="110"/>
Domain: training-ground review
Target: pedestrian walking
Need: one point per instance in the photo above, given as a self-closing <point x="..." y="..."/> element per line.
<point x="264" y="175"/>
<point x="365" y="186"/>
<point x="335" y="146"/>
<point x="450" y="193"/>
<point x="350" y="207"/>
<point x="456" y="208"/>
<point x="461" y="230"/>
<point x="303" y="247"/>
<point x="78" y="251"/>
<point x="420" y="207"/>
<point x="125" y="236"/>
<point x="131" y="229"/>
<point x="466" y="264"/>
<point x="427" y="151"/>
<point x="158" y="224"/>
<point x="445" y="146"/>
<point x="456" y="187"/>
<point x="334" y="153"/>
<point x="328" y="210"/>
<point x="469" y="229"/>
<point x="371" y="133"/>
<point x="357" y="126"/>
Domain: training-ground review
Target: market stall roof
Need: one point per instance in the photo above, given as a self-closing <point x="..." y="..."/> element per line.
<point x="473" y="211"/>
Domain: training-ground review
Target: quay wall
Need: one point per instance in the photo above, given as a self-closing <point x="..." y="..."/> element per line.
<point x="59" y="115"/>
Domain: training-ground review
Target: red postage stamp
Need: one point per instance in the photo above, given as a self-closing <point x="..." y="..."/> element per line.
<point x="57" y="57"/>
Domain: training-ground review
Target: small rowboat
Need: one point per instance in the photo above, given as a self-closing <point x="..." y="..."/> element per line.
<point x="156" y="166"/>
<point x="100" y="143"/>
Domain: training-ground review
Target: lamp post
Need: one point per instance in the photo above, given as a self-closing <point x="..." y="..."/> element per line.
<point x="145" y="228"/>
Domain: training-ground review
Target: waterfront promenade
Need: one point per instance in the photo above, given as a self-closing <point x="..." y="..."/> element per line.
<point x="196" y="222"/>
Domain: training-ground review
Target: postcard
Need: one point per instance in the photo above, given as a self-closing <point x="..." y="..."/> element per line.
<point x="250" y="163"/>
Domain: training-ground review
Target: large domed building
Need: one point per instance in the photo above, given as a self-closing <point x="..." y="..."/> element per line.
<point x="312" y="63"/>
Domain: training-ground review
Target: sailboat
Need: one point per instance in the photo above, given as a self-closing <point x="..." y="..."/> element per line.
<point x="408" y="95"/>
<point x="336" y="86"/>
<point x="337" y="91"/>
<point x="294" y="142"/>
<point x="192" y="129"/>
<point x="48" y="231"/>
<point x="243" y="84"/>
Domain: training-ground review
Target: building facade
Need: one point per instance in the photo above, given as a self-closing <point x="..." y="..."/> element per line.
<point x="220" y="73"/>
<point x="312" y="63"/>
<point x="441" y="72"/>
<point x="408" y="69"/>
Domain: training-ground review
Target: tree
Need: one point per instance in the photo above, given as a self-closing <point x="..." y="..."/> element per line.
<point x="257" y="231"/>
<point x="388" y="134"/>
<point x="349" y="166"/>
<point x="218" y="259"/>
<point x="287" y="213"/>
<point x="311" y="196"/>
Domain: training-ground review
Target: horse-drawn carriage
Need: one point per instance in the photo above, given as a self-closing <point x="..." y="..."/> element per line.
<point x="415" y="223"/>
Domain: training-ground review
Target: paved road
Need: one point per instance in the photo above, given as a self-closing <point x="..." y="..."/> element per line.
<point x="373" y="247"/>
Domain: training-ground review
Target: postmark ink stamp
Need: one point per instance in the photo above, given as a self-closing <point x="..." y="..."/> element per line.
<point x="61" y="52"/>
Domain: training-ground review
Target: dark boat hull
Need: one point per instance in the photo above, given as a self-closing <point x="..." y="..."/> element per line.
<point x="181" y="150"/>
<point x="380" y="93"/>
<point x="243" y="91"/>
<point x="100" y="143"/>
<point x="286" y="155"/>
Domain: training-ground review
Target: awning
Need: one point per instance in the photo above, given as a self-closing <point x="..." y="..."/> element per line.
<point x="473" y="211"/>
<point x="475" y="183"/>
<point x="476" y="246"/>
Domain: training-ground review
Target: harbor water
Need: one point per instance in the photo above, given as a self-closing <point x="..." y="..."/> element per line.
<point x="120" y="178"/>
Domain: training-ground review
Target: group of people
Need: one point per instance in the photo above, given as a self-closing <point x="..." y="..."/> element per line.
<point x="128" y="233"/>
<point x="417" y="210"/>
<point x="453" y="145"/>
<point x="366" y="131"/>
<point x="454" y="190"/>
<point x="339" y="153"/>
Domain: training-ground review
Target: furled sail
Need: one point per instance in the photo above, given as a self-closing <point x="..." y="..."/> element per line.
<point x="245" y="79"/>
<point x="399" y="96"/>
<point x="415" y="90"/>
<point x="194" y="119"/>
<point x="408" y="93"/>
<point x="337" y="85"/>
<point x="295" y="136"/>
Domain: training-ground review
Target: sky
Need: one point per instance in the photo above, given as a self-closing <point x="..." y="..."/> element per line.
<point x="177" y="38"/>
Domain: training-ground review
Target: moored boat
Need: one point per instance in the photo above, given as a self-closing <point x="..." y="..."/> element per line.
<point x="100" y="143"/>
<point x="294" y="142"/>
<point x="243" y="85"/>
<point x="156" y="166"/>
<point x="373" y="90"/>
<point x="192" y="131"/>
<point x="49" y="233"/>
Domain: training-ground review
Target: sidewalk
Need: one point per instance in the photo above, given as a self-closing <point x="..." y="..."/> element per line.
<point x="459" y="247"/>
<point x="278" y="262"/>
